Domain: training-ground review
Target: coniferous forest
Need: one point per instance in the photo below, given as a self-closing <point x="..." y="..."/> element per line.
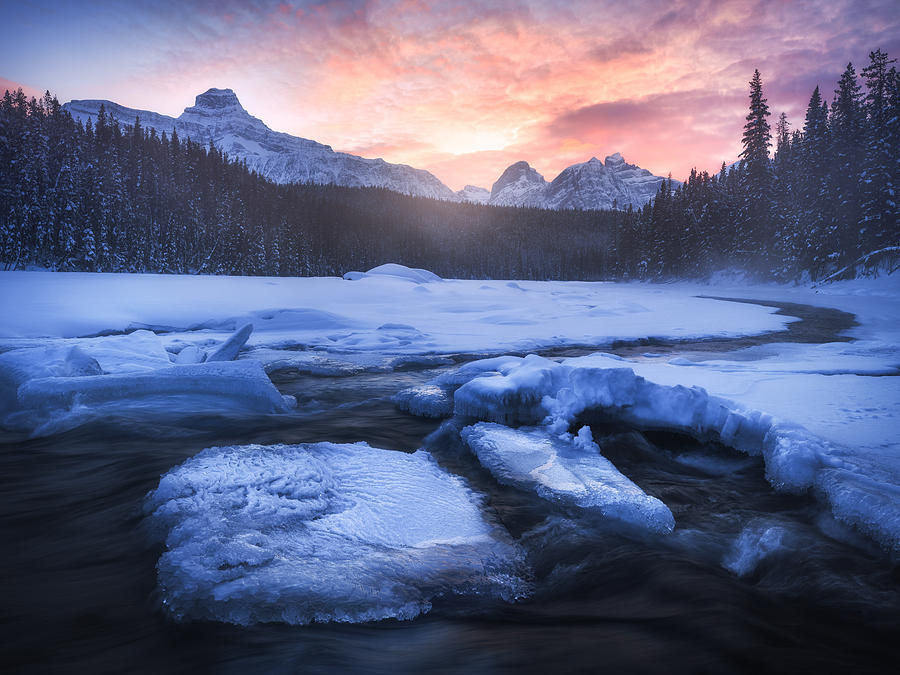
<point x="807" y="199"/>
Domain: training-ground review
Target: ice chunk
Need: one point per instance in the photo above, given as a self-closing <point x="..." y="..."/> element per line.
<point x="190" y="354"/>
<point x="323" y="532"/>
<point x="244" y="382"/>
<point x="230" y="348"/>
<point x="52" y="404"/>
<point x="435" y="398"/>
<point x="861" y="490"/>
<point x="870" y="505"/>
<point x="140" y="350"/>
<point x="20" y="365"/>
<point x="566" y="470"/>
<point x="757" y="542"/>
<point x="425" y="401"/>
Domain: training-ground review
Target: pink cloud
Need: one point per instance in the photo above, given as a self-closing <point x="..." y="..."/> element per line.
<point x="465" y="88"/>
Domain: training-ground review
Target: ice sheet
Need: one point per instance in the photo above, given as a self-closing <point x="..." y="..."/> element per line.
<point x="323" y="532"/>
<point x="565" y="470"/>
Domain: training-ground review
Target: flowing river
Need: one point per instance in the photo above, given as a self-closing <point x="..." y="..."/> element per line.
<point x="79" y="570"/>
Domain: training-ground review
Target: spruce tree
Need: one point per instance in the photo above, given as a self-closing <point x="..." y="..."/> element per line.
<point x="755" y="220"/>
<point x="846" y="157"/>
<point x="879" y="211"/>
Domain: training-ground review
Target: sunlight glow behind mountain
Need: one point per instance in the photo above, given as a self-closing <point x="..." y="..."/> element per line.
<point x="460" y="89"/>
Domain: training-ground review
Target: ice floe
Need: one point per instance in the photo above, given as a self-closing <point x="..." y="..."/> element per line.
<point x="566" y="470"/>
<point x="49" y="389"/>
<point x="756" y="543"/>
<point x="323" y="532"/>
<point x="861" y="485"/>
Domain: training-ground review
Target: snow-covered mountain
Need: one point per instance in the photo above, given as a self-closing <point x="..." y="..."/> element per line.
<point x="218" y="116"/>
<point x="474" y="194"/>
<point x="519" y="185"/>
<point x="590" y="185"/>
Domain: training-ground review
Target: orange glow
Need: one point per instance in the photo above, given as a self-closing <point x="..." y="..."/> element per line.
<point x="465" y="88"/>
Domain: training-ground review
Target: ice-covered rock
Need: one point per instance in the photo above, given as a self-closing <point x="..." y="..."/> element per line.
<point x="565" y="470"/>
<point x="190" y="354"/>
<point x="543" y="391"/>
<point x="435" y="398"/>
<point x="140" y="350"/>
<point x="323" y="532"/>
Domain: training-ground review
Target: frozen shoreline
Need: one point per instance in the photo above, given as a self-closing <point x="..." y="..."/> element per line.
<point x="838" y="393"/>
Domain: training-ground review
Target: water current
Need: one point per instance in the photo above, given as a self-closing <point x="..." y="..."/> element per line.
<point x="79" y="573"/>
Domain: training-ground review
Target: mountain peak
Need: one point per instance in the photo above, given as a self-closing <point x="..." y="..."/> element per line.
<point x="215" y="103"/>
<point x="217" y="98"/>
<point x="614" y="159"/>
<point x="519" y="185"/>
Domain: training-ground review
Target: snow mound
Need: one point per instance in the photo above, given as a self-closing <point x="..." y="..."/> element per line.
<point x="323" y="532"/>
<point x="862" y="491"/>
<point x="565" y="470"/>
<point x="396" y="271"/>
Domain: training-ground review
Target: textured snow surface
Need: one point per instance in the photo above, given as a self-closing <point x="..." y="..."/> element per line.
<point x="217" y="116"/>
<point x="322" y="532"/>
<point x="564" y="469"/>
<point x="380" y="312"/>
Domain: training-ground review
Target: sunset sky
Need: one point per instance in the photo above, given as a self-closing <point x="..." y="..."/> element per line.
<point x="462" y="89"/>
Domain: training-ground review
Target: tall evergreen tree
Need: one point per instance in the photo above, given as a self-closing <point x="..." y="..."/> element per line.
<point x="755" y="219"/>
<point x="879" y="211"/>
<point x="846" y="157"/>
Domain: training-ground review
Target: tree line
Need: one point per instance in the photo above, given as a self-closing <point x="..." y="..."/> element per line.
<point x="102" y="197"/>
<point x="827" y="198"/>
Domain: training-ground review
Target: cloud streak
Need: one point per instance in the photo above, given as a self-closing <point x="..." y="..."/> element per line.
<point x="463" y="88"/>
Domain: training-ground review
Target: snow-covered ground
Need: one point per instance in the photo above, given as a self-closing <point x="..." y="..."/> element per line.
<point x="825" y="417"/>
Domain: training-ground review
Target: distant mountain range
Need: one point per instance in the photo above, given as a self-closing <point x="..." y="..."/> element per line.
<point x="218" y="116"/>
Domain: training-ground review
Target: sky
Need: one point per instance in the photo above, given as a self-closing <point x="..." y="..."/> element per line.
<point x="462" y="89"/>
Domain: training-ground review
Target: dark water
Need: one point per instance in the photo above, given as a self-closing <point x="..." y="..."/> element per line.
<point x="79" y="582"/>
